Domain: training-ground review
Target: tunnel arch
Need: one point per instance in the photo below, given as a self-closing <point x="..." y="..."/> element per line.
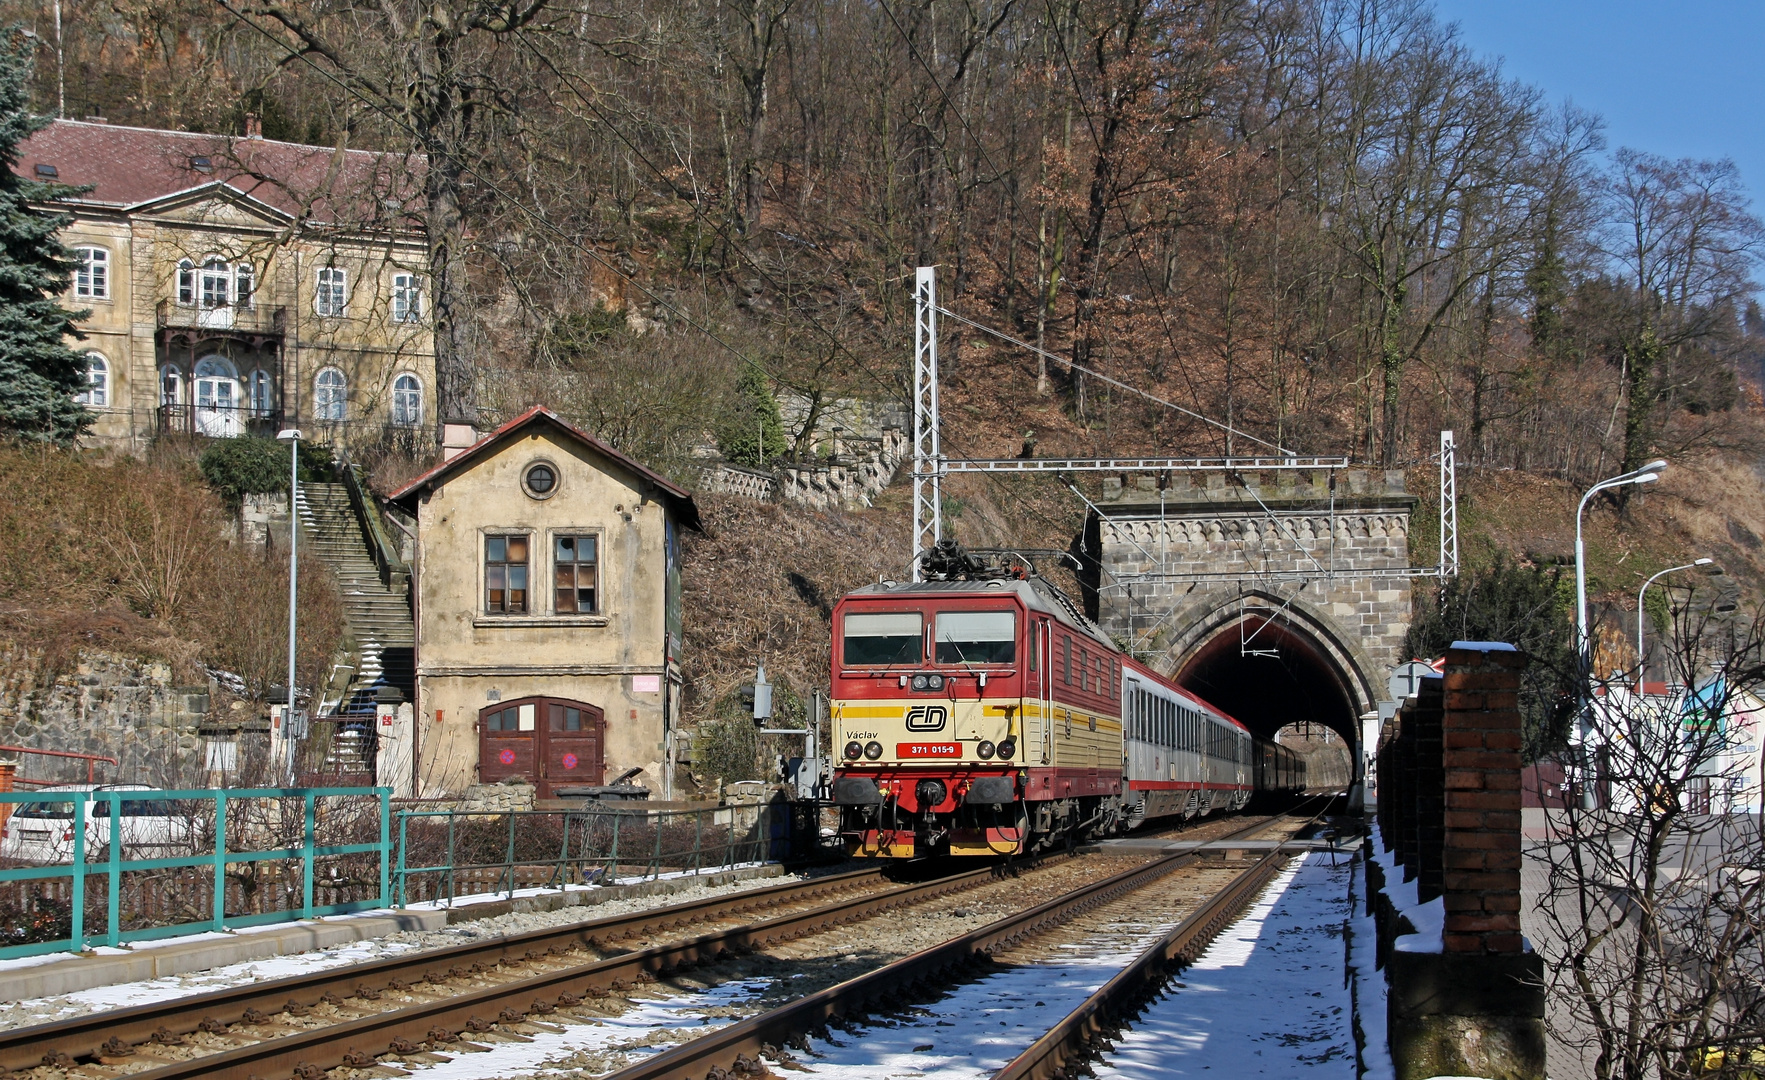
<point x="1312" y="674"/>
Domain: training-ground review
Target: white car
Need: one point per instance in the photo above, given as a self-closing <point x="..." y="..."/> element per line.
<point x="43" y="831"/>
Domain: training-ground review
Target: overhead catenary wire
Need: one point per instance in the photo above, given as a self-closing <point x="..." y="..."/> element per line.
<point x="1111" y="381"/>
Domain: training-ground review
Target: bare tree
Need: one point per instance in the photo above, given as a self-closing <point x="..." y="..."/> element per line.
<point x="1653" y="915"/>
<point x="1682" y="239"/>
<point x="436" y="76"/>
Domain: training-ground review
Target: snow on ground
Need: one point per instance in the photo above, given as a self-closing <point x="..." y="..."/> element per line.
<point x="1267" y="998"/>
<point x="44" y="1010"/>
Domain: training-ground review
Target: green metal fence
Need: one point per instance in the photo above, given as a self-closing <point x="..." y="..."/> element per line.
<point x="218" y="836"/>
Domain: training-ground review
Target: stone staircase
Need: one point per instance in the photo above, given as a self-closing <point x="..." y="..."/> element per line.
<point x="379" y="618"/>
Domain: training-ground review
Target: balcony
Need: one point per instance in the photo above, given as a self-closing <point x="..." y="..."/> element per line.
<point x="216" y="421"/>
<point x="257" y="325"/>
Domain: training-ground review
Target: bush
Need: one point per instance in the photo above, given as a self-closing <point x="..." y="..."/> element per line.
<point x="1527" y="607"/>
<point x="245" y="466"/>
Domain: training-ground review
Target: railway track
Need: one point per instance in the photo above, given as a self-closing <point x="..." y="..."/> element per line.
<point x="306" y="1024"/>
<point x="406" y="1009"/>
<point x="738" y="1049"/>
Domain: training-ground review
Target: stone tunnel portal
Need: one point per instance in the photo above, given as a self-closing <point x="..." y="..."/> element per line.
<point x="1269" y="674"/>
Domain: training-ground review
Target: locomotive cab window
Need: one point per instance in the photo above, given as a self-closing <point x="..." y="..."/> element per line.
<point x="976" y="637"/>
<point x="892" y="638"/>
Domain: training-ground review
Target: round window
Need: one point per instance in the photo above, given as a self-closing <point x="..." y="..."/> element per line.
<point x="540" y="479"/>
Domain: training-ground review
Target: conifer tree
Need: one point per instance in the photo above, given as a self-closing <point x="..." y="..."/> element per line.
<point x="752" y="432"/>
<point x="39" y="374"/>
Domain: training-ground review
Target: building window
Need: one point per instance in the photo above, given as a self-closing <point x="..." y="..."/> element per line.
<point x="332" y="291"/>
<point x="328" y="394"/>
<point x="540" y="480"/>
<point x="97" y="392"/>
<point x="407" y="298"/>
<point x="171" y="385"/>
<point x="244" y="281"/>
<point x="407" y="401"/>
<point x="215" y="283"/>
<point x="574" y="564"/>
<point x="92" y="276"/>
<point x="186" y="283"/>
<point x="505" y="575"/>
<point x="260" y="393"/>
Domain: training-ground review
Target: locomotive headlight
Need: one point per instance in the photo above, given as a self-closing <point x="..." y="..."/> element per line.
<point x="1007" y="747"/>
<point x="919" y="682"/>
<point x="985" y="750"/>
<point x="854" y="750"/>
<point x="936" y="682"/>
<point x="873" y="750"/>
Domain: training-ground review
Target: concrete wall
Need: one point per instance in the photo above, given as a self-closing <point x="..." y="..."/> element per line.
<point x="468" y="660"/>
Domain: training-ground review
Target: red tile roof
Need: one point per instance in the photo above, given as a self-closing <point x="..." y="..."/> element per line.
<point x="128" y="166"/>
<point x="677" y="500"/>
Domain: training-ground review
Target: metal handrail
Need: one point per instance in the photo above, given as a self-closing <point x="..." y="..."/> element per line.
<point x="91" y="760"/>
<point x="114" y="866"/>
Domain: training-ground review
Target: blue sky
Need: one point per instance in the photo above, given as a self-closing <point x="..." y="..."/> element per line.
<point x="1679" y="79"/>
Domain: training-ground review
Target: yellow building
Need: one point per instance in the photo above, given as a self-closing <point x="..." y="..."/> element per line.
<point x="546" y="587"/>
<point x="239" y="285"/>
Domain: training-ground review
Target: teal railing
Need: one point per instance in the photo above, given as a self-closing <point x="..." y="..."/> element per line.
<point x="272" y="821"/>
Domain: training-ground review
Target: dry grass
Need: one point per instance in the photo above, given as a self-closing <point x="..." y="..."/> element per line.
<point x="132" y="556"/>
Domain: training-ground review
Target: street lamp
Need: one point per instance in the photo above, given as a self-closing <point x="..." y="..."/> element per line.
<point x="1640" y="655"/>
<point x="1648" y="474"/>
<point x="283" y="756"/>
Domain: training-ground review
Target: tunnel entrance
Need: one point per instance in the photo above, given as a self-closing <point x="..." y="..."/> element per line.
<point x="1270" y="675"/>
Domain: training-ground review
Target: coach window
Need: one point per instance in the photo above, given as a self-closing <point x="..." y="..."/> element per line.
<point x="976" y="637"/>
<point x="883" y="639"/>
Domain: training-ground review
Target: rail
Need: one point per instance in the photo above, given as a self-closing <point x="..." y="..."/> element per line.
<point x="727" y="1047"/>
<point x="91" y="761"/>
<point x="437" y="850"/>
<point x="388" y="559"/>
<point x="1064" y="1048"/>
<point x="193" y="826"/>
<point x="451" y="1018"/>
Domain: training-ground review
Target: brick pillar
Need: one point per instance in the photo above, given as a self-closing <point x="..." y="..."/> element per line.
<point x="8" y="774"/>
<point x="1425" y="718"/>
<point x="1477" y="1007"/>
<point x="1481" y="734"/>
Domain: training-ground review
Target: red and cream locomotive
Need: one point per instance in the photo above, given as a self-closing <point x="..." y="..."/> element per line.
<point x="983" y="714"/>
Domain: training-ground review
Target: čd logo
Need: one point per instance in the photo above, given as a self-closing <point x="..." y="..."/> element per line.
<point x="927" y="718"/>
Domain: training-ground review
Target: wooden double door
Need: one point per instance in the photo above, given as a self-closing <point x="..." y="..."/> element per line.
<point x="552" y="742"/>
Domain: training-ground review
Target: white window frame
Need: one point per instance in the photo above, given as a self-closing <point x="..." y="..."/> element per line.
<point x="260" y="393"/>
<point x="244" y="286"/>
<point x="330" y="399"/>
<point x="404" y="397"/>
<point x="96" y="395"/>
<point x="173" y="374"/>
<point x="186" y="284"/>
<point x="92" y="276"/>
<point x="331" y="292"/>
<point x="407" y="298"/>
<point x="214" y="281"/>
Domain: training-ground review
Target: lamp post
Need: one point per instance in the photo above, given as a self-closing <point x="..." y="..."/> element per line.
<point x="1648" y="474"/>
<point x="283" y="756"/>
<point x="1640" y="655"/>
